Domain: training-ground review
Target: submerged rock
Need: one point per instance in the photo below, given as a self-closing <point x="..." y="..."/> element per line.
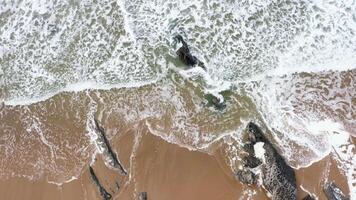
<point x="103" y="193"/>
<point x="220" y="105"/>
<point x="185" y="56"/>
<point x="277" y="177"/>
<point x="104" y="142"/>
<point x="333" y="192"/>
<point x="215" y="101"/>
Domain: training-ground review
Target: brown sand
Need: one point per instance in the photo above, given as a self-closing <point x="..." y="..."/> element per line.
<point x="48" y="142"/>
<point x="164" y="171"/>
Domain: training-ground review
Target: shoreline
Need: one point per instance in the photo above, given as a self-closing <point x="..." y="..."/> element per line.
<point x="40" y="189"/>
<point x="52" y="140"/>
<point x="89" y="86"/>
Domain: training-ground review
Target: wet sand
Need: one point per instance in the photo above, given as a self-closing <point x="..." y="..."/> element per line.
<point x="49" y="142"/>
<point x="164" y="171"/>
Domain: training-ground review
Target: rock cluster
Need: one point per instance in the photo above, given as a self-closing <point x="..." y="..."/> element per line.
<point x="277" y="176"/>
<point x="109" y="153"/>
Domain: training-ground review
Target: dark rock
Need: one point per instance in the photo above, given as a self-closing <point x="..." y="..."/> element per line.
<point x="185" y="56"/>
<point x="143" y="196"/>
<point x="333" y="192"/>
<point x="217" y="104"/>
<point x="251" y="161"/>
<point x="246" y="177"/>
<point x="248" y="148"/>
<point x="103" y="193"/>
<point x="215" y="101"/>
<point x="278" y="178"/>
<point x="308" y="197"/>
<point x="108" y="150"/>
<point x="255" y="134"/>
<point x="117" y="185"/>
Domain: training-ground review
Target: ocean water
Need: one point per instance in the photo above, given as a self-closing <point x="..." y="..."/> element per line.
<point x="287" y="65"/>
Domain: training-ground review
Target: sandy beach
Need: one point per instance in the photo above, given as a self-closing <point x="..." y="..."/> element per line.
<point x="162" y="169"/>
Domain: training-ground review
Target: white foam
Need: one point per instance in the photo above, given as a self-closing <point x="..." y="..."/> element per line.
<point x="260" y="151"/>
<point x="212" y="86"/>
<point x="91" y="131"/>
<point x="208" y="140"/>
<point x="296" y="106"/>
<point x="50" y="53"/>
<point x="312" y="194"/>
<point x="337" y="135"/>
<point x="341" y="145"/>
<point x="76" y="87"/>
<point x="61" y="183"/>
<point x="233" y="45"/>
